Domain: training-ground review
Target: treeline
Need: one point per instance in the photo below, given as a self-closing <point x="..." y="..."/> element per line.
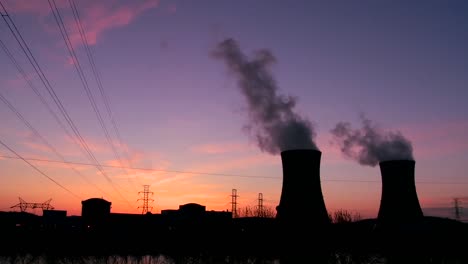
<point x="338" y="216"/>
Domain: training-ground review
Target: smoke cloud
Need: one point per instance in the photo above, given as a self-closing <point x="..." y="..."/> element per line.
<point x="272" y="120"/>
<point x="370" y="145"/>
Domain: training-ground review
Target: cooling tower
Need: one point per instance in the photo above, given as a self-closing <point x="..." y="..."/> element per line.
<point x="301" y="199"/>
<point x="399" y="202"/>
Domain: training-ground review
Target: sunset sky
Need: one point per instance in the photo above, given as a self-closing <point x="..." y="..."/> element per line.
<point x="179" y="114"/>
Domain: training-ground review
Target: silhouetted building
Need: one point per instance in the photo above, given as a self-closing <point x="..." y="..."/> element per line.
<point x="192" y="217"/>
<point x="301" y="203"/>
<point x="399" y="202"/>
<point x="95" y="211"/>
<point x="192" y="208"/>
<point x="194" y="211"/>
<point x="19" y="220"/>
<point x="54" y="219"/>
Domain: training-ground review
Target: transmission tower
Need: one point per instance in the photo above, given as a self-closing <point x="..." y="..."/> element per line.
<point x="260" y="205"/>
<point x="457" y="208"/>
<point x="145" y="199"/>
<point x="234" y="202"/>
<point x="23" y="205"/>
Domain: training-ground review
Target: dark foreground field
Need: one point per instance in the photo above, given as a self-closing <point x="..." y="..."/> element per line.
<point x="333" y="258"/>
<point x="433" y="240"/>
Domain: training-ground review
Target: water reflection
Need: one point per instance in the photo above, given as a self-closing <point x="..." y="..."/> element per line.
<point x="163" y="259"/>
<point x="335" y="258"/>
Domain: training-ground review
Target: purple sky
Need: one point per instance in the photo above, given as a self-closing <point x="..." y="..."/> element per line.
<point x="403" y="64"/>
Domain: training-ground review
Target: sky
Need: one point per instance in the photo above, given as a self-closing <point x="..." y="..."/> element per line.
<point x="174" y="115"/>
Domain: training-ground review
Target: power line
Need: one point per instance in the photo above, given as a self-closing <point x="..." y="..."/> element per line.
<point x="98" y="78"/>
<point x="83" y="79"/>
<point x="49" y="109"/>
<point x="150" y="169"/>
<point x="32" y="60"/>
<point x="41" y="98"/>
<point x="44" y="141"/>
<point x="104" y="96"/>
<point x="217" y="174"/>
<point x="38" y="170"/>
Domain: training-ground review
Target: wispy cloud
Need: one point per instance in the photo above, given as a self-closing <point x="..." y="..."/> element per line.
<point x="219" y="148"/>
<point x="236" y="163"/>
<point x="171" y="179"/>
<point x="94" y="145"/>
<point x="100" y="146"/>
<point x="103" y="16"/>
<point x="18" y="82"/>
<point x="40" y="8"/>
<point x="33" y="145"/>
<point x="69" y="61"/>
<point x="142" y="174"/>
<point x="96" y="17"/>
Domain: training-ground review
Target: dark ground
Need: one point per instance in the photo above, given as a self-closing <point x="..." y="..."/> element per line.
<point x="252" y="240"/>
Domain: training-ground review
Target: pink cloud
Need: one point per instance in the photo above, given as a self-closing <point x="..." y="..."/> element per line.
<point x="65" y="147"/>
<point x="132" y="179"/>
<point x="96" y="16"/>
<point x="101" y="16"/>
<point x="219" y="148"/>
<point x="36" y="146"/>
<point x="18" y="82"/>
<point x="171" y="179"/>
<point x="141" y="174"/>
<point x="44" y="161"/>
<point x="70" y="61"/>
<point x="239" y="163"/>
<point x="94" y="145"/>
<point x="34" y="7"/>
<point x="99" y="146"/>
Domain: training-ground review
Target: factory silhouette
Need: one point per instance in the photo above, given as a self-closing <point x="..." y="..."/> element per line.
<point x="302" y="225"/>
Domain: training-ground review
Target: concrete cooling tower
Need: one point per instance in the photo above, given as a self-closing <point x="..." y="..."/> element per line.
<point x="399" y="201"/>
<point x="301" y="201"/>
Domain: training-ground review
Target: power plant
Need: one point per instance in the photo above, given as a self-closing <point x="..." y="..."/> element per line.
<point x="301" y="190"/>
<point x="301" y="228"/>
<point x="399" y="201"/>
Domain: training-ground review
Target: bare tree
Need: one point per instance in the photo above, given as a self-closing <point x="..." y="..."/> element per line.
<point x="344" y="216"/>
<point x="268" y="212"/>
<point x="246" y="211"/>
<point x="254" y="211"/>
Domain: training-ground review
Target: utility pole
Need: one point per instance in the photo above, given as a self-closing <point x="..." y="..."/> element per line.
<point x="145" y="199"/>
<point x="234" y="202"/>
<point x="260" y="205"/>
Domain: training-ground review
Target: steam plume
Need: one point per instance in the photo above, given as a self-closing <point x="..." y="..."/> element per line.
<point x="370" y="145"/>
<point x="272" y="120"/>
